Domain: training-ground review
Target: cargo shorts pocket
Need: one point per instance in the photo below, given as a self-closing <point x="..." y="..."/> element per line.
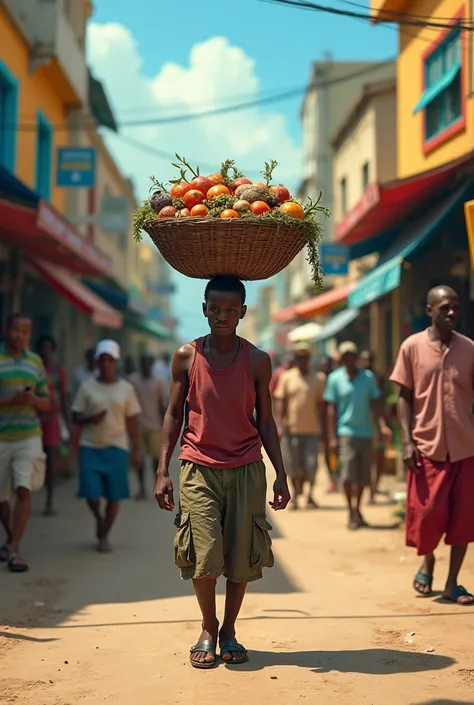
<point x="261" y="555"/>
<point x="183" y="541"/>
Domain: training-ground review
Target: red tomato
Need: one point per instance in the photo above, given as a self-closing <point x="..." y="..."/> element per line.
<point x="180" y="189"/>
<point x="259" y="207"/>
<point x="281" y="192"/>
<point x="199" y="211"/>
<point x="202" y="184"/>
<point x="192" y="198"/>
<point x="216" y="179"/>
<point x="217" y="190"/>
<point x="167" y="212"/>
<point x="240" y="182"/>
<point x="229" y="213"/>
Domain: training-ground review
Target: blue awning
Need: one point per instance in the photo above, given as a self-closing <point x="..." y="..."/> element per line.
<point x="13" y="188"/>
<point x="338" y="323"/>
<point x="114" y="297"/>
<point x="438" y="87"/>
<point x="387" y="275"/>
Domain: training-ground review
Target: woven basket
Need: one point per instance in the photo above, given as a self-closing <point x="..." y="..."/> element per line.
<point x="202" y="248"/>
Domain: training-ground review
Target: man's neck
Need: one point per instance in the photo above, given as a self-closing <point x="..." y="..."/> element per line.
<point x="14" y="352"/>
<point x="351" y="372"/>
<point x="443" y="337"/>
<point x="223" y="343"/>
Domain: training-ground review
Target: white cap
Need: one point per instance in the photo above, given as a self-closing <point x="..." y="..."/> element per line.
<point x="301" y="348"/>
<point x="108" y="347"/>
<point x="347" y="347"/>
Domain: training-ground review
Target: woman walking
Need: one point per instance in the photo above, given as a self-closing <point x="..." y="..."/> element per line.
<point x="106" y="408"/>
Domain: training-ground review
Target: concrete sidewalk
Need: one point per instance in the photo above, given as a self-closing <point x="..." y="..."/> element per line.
<point x="329" y="624"/>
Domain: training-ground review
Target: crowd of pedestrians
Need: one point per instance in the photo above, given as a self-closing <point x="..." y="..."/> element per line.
<point x="110" y="416"/>
<point x="219" y="399"/>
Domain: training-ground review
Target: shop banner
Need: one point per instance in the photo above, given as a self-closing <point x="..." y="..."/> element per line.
<point x="469" y="213"/>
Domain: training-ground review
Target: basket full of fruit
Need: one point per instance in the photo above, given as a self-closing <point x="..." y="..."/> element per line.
<point x="226" y="224"/>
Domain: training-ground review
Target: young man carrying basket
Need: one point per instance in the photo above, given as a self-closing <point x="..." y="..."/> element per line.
<point x="223" y="383"/>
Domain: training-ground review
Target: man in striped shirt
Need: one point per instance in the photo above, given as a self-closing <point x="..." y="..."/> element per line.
<point x="23" y="393"/>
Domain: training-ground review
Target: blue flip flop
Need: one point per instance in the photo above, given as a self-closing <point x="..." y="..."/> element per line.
<point x="229" y="647"/>
<point x="456" y="593"/>
<point x="423" y="579"/>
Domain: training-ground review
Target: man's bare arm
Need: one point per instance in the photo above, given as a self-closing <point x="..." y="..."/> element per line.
<point x="411" y="456"/>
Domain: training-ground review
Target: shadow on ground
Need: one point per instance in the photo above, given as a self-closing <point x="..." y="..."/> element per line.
<point x="381" y="662"/>
<point x="141" y="568"/>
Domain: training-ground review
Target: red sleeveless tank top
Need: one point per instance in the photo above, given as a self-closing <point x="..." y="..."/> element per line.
<point x="220" y="430"/>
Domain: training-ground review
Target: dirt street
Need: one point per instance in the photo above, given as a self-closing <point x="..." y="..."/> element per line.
<point x="329" y="624"/>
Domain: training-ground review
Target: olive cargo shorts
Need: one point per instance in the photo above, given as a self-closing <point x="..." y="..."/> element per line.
<point x="222" y="528"/>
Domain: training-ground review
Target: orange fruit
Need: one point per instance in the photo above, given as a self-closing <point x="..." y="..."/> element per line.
<point x="180" y="189"/>
<point x="167" y="212"/>
<point x="230" y="213"/>
<point x="193" y="198"/>
<point x="217" y="190"/>
<point x="216" y="179"/>
<point x="259" y="207"/>
<point x="199" y="211"/>
<point x="261" y="184"/>
<point x="293" y="209"/>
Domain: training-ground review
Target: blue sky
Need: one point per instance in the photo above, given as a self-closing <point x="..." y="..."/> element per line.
<point x="160" y="58"/>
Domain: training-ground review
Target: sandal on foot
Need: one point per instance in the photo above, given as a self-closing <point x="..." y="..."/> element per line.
<point x="17" y="564"/>
<point x="425" y="579"/>
<point x="4" y="553"/>
<point x="205" y="646"/>
<point x="456" y="593"/>
<point x="233" y="647"/>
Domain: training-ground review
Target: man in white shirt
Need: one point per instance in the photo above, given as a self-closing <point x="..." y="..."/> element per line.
<point x="151" y="395"/>
<point x="107" y="409"/>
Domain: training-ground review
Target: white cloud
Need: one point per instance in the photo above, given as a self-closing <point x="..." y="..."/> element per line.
<point x="250" y="137"/>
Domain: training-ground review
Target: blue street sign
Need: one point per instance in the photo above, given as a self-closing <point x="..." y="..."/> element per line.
<point x="334" y="259"/>
<point x="76" y="167"/>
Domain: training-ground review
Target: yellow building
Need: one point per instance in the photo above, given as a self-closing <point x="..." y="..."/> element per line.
<point x="435" y="83"/>
<point x="43" y="76"/>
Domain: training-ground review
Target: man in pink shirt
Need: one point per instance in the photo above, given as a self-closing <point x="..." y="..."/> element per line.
<point x="435" y="371"/>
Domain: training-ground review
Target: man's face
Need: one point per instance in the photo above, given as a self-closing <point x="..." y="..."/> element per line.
<point x="19" y="334"/>
<point x="146" y="364"/>
<point x="444" y="310"/>
<point x="223" y="311"/>
<point x="107" y="367"/>
<point x="302" y="362"/>
<point x="349" y="360"/>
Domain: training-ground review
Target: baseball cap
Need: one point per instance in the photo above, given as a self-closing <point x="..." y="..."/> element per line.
<point x="347" y="347"/>
<point x="302" y="348"/>
<point x="108" y="347"/>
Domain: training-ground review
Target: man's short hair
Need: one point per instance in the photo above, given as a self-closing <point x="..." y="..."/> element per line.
<point x="16" y="317"/>
<point x="45" y="339"/>
<point x="227" y="283"/>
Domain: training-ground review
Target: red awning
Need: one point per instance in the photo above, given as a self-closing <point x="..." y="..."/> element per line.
<point x="47" y="234"/>
<point x="79" y="295"/>
<point x="315" y="306"/>
<point x="384" y="205"/>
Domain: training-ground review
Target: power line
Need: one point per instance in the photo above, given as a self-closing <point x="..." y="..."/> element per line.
<point x="396" y="13"/>
<point x="187" y="117"/>
<point x="306" y="5"/>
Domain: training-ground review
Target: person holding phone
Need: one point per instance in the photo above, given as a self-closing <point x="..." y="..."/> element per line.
<point x="23" y="395"/>
<point x="107" y="409"/>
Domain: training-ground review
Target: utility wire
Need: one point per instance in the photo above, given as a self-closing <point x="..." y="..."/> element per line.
<point x="187" y="117"/>
<point x="396" y="13"/>
<point x="307" y="5"/>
